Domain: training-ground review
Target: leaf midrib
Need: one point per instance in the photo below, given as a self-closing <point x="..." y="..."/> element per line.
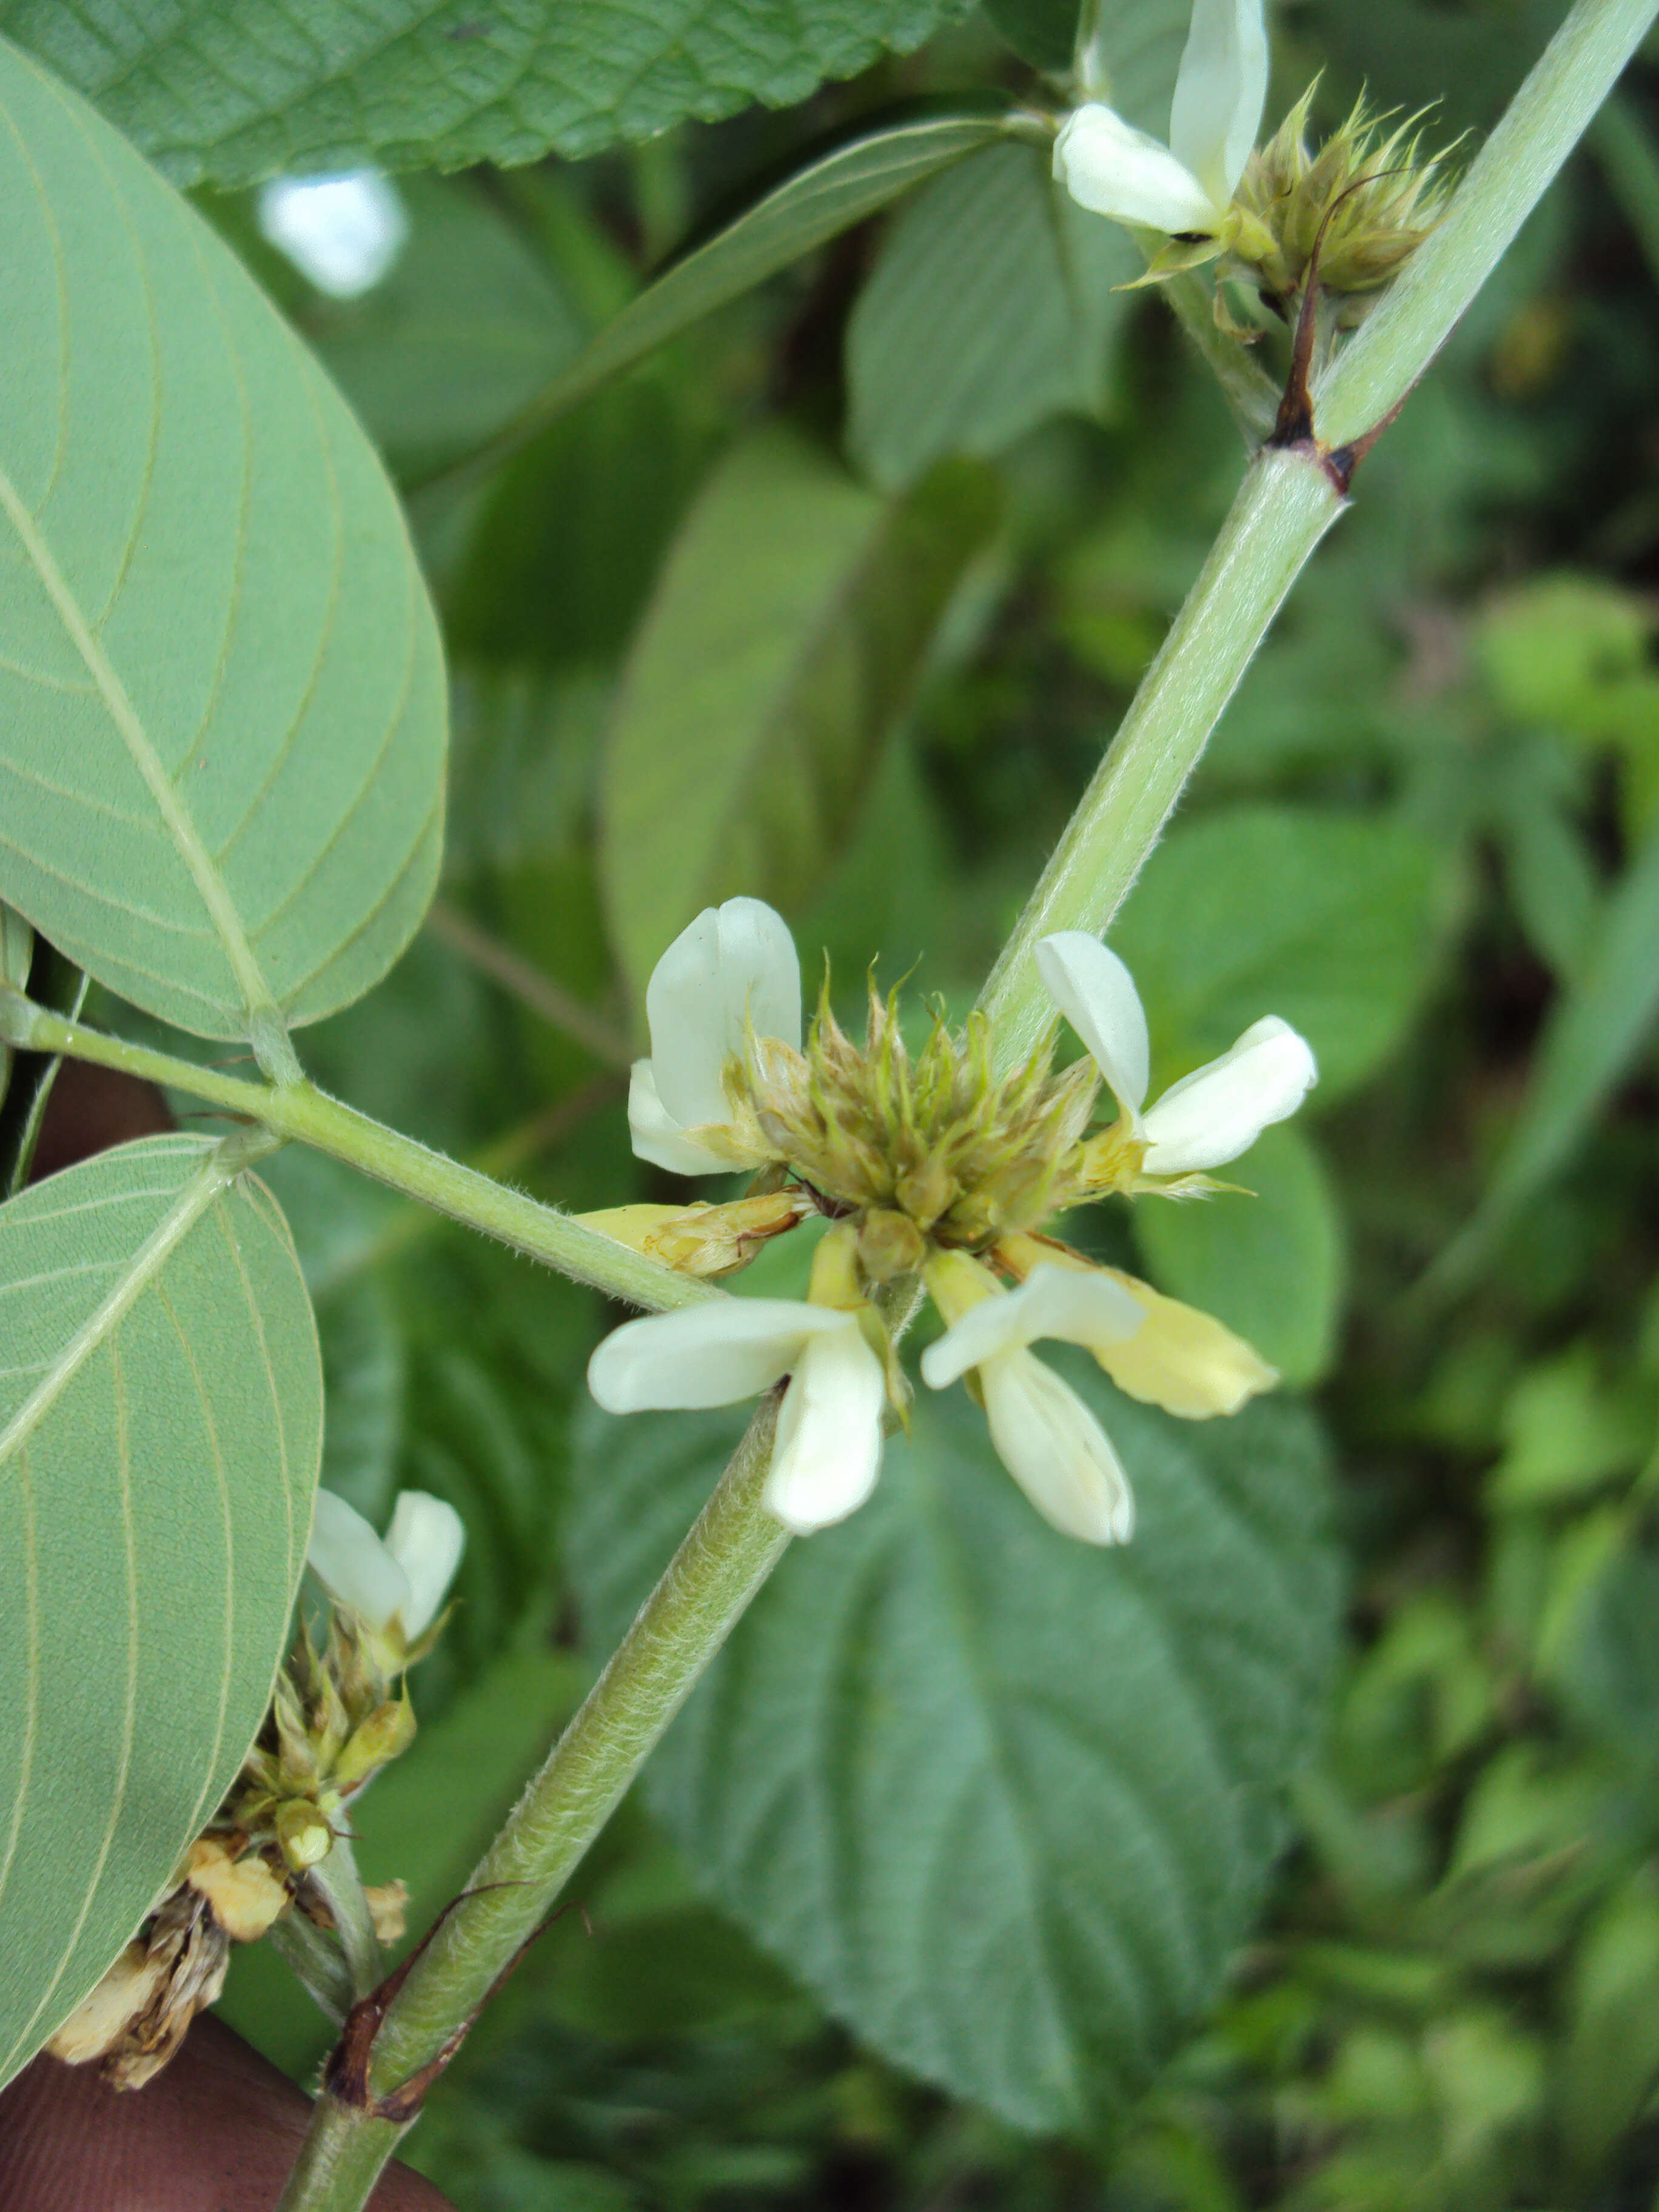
<point x="187" y="1208"/>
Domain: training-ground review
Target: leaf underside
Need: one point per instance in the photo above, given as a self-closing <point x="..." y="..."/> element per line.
<point x="161" y="1425"/>
<point x="221" y="710"/>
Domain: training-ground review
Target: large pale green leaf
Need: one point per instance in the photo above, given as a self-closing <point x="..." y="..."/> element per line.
<point x="1328" y="919"/>
<point x="826" y="197"/>
<point x="160" y="1424"/>
<point x="786" y="634"/>
<point x="991" y="307"/>
<point x="1004" y="1801"/>
<point x="1267" y="1258"/>
<point x="229" y="91"/>
<point x="221" y="691"/>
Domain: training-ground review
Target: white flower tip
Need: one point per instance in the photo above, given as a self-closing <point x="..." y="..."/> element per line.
<point x="1113" y="169"/>
<point x="1096" y="993"/>
<point x="426" y="1538"/>
<point x="353" y="1567"/>
<point x="828" y="1450"/>
<point x="343" y="232"/>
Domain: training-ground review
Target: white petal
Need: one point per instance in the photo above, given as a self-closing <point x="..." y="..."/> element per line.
<point x="1056" y="1450"/>
<point x="353" y="1566"/>
<point x="705" y="1355"/>
<point x="426" y="1538"/>
<point x="759" y="973"/>
<point x="1219" y="1110"/>
<point x="1113" y="169"/>
<point x="659" y="1137"/>
<point x="1096" y="993"/>
<point x="343" y="232"/>
<point x="733" y="964"/>
<point x="1074" y="1305"/>
<point x="1219" y="92"/>
<point x="828" y="1452"/>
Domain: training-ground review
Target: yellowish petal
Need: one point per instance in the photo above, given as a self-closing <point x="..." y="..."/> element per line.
<point x="1186" y="1361"/>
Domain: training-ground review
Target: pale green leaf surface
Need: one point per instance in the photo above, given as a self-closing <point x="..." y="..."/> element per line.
<point x="1268" y="1259"/>
<point x="786" y="635"/>
<point x="990" y="307"/>
<point x="817" y="203"/>
<point x="1328" y="921"/>
<point x="227" y="92"/>
<point x="1004" y="1802"/>
<point x="221" y="712"/>
<point x="160" y="1424"/>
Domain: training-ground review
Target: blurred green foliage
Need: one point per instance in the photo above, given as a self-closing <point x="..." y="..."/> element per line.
<point x="1427" y="831"/>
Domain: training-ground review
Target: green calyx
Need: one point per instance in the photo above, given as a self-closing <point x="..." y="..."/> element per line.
<point x="1364" y="202"/>
<point x="930" y="1148"/>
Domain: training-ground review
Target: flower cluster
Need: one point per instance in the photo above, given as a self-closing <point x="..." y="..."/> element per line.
<point x="1363" y="201"/>
<point x="936" y="1169"/>
<point x="338" y="1713"/>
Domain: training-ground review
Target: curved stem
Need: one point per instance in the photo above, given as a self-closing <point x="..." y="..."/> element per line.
<point x="300" y="1111"/>
<point x="732" y="1549"/>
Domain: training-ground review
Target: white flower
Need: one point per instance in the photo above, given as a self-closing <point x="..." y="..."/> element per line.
<point x="1044" y="1434"/>
<point x="1210" y="1116"/>
<point x="828" y="1450"/>
<point x="394" y="1587"/>
<point x="733" y="969"/>
<point x="1187" y="185"/>
<point x="341" y="233"/>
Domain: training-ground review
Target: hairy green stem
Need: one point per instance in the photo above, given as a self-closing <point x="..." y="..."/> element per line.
<point x="343" y="2156"/>
<point x="1284" y="507"/>
<point x="301" y="1112"/>
<point x="1286" y="503"/>
<point x="732" y="1548"/>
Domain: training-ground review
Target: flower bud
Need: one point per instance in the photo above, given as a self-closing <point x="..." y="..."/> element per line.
<point x="387" y="1733"/>
<point x="303" y="1833"/>
<point x="890" y="1245"/>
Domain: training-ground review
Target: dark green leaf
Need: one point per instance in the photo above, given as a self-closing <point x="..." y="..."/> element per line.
<point x="1004" y="1802"/>
<point x="229" y="94"/>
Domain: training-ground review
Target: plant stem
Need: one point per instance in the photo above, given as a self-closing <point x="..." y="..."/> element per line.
<point x="1285" y="505"/>
<point x="1287" y="502"/>
<point x="732" y="1548"/>
<point x="341" y="2159"/>
<point x="300" y="1111"/>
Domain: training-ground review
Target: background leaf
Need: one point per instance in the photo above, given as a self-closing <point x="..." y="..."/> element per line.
<point x="220" y="686"/>
<point x="160" y="1424"/>
<point x="828" y="195"/>
<point x="786" y="634"/>
<point x="1268" y="1259"/>
<point x="1004" y="1802"/>
<point x="1327" y="921"/>
<point x="990" y="307"/>
<point x="228" y="94"/>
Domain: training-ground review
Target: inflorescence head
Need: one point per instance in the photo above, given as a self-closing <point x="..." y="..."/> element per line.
<point x="936" y="1147"/>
